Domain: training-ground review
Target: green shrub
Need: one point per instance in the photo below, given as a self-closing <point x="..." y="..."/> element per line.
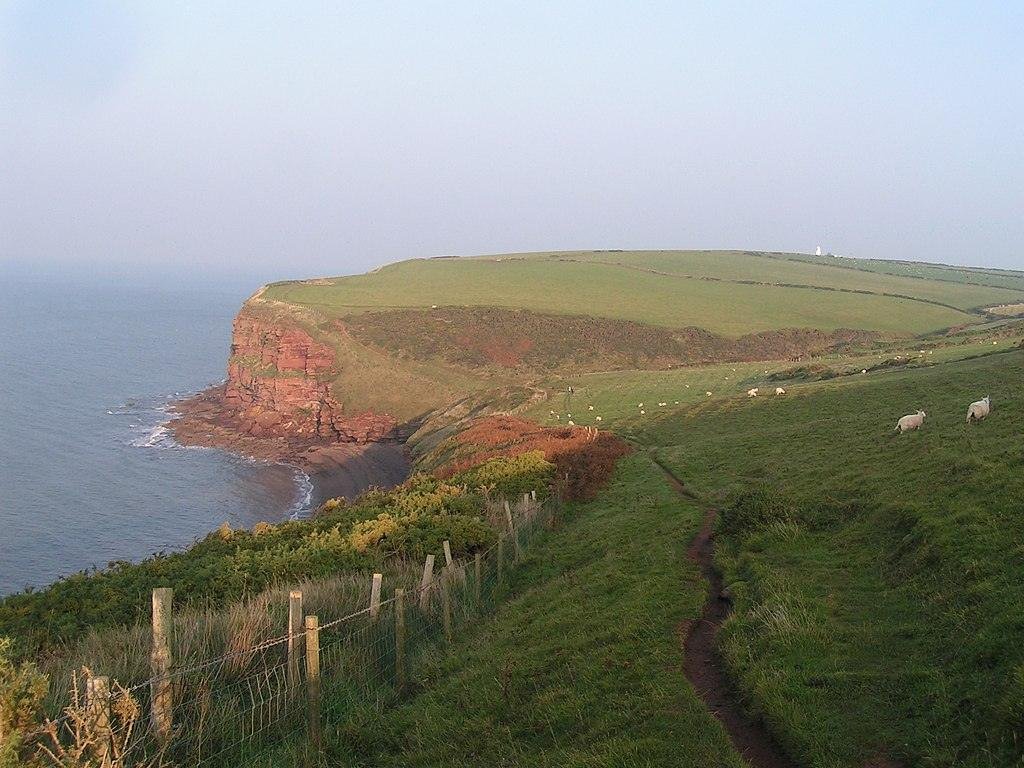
<point x="226" y="565"/>
<point x="754" y="510"/>
<point x="22" y="689"/>
<point x="510" y="476"/>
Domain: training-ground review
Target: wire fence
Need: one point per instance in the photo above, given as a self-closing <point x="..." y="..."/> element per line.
<point x="273" y="693"/>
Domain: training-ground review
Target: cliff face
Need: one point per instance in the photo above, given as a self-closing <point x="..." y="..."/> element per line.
<point x="279" y="386"/>
<point x="281" y="399"/>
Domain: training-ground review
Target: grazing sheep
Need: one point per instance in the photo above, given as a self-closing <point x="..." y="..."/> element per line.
<point x="909" y="422"/>
<point x="863" y="370"/>
<point x="590" y="407"/>
<point x="979" y="409"/>
<point x="598" y="418"/>
<point x="662" y="405"/>
<point x="642" y="412"/>
<point x="752" y="392"/>
<point x="708" y="394"/>
<point x="780" y="391"/>
<point x="572" y="423"/>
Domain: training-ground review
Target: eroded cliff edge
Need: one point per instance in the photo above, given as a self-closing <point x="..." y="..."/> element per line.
<point x="281" y="402"/>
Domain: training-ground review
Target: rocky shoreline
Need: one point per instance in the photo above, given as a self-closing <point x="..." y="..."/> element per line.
<point x="337" y="465"/>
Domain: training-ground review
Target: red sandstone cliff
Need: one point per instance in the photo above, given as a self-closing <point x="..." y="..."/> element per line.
<point x="278" y="398"/>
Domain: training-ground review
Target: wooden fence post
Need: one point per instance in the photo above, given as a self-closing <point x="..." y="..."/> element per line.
<point x="160" y="661"/>
<point x="512" y="531"/>
<point x="446" y="602"/>
<point x="500" y="556"/>
<point x="447" y="553"/>
<point x="400" y="639"/>
<point x="295" y="634"/>
<point x="425" y="582"/>
<point x="313" y="680"/>
<point x="375" y="596"/>
<point x="477" y="575"/>
<point x="97" y="703"/>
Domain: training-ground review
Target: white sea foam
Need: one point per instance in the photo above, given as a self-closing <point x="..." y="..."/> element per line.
<point x="301" y="508"/>
<point x="157" y="434"/>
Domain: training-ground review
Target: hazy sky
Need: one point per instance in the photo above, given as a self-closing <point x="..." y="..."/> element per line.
<point x="299" y="138"/>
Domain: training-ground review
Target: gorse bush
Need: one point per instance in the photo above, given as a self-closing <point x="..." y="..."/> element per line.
<point x="511" y="476"/>
<point x="22" y="689"/>
<point x="581" y="458"/>
<point x="408" y="521"/>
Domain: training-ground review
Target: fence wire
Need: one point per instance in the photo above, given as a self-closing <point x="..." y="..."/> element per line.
<point x="253" y="698"/>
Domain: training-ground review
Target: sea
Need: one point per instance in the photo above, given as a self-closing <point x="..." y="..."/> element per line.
<point x="88" y="474"/>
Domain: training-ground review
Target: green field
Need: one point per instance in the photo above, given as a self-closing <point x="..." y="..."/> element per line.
<point x="710" y="297"/>
<point x="940" y="285"/>
<point x="878" y="579"/>
<point x="618" y="397"/>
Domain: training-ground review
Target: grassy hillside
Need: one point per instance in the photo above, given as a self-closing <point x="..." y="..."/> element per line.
<point x="436" y="330"/>
<point x="878" y="579"/>
<point x="582" y="666"/>
<point x="562" y="286"/>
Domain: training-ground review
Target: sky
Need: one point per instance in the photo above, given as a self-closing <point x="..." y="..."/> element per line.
<point x="226" y="140"/>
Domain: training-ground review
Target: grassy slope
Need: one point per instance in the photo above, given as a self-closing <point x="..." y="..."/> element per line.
<point x="582" y="666"/>
<point x="1006" y="278"/>
<point x="884" y="614"/>
<point x="411" y="387"/>
<point x="559" y="286"/>
<point x="616" y="395"/>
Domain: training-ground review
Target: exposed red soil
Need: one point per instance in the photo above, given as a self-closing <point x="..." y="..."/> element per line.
<point x="584" y="457"/>
<point x="703" y="665"/>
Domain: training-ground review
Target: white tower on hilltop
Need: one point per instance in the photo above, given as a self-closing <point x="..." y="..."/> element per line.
<point x="817" y="251"/>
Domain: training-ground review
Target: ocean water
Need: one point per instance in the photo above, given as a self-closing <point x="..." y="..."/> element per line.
<point x="87" y="475"/>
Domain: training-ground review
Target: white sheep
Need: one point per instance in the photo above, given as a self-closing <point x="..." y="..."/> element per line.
<point x="642" y="412"/>
<point x="780" y="391"/>
<point x="979" y="409"/>
<point x="572" y="423"/>
<point x="909" y="422"/>
<point x="598" y="418"/>
<point x="590" y="407"/>
<point x="752" y="392"/>
<point x="708" y="394"/>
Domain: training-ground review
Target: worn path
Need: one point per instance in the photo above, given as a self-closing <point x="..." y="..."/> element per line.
<point x="703" y="665"/>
